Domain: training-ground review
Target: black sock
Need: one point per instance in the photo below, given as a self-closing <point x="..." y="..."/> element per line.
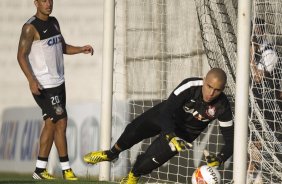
<point x="64" y="159"/>
<point x="113" y="153"/>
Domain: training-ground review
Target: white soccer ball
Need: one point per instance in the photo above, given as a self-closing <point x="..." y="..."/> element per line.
<point x="206" y="175"/>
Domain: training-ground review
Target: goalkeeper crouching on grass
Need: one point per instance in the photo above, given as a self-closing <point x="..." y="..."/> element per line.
<point x="177" y="121"/>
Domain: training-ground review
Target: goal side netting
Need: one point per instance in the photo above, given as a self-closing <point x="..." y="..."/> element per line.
<point x="265" y="148"/>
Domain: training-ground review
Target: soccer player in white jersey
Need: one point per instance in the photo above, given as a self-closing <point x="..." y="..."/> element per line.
<point x="266" y="75"/>
<point x="40" y="56"/>
<point x="177" y="122"/>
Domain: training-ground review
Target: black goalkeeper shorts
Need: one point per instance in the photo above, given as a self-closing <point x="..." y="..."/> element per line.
<point x="52" y="102"/>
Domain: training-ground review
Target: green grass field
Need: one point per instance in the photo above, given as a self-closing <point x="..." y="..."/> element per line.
<point x="13" y="178"/>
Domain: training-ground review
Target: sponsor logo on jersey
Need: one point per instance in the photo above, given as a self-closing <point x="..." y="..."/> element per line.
<point x="54" y="40"/>
<point x="188" y="110"/>
<point x="199" y="117"/>
<point x="188" y="107"/>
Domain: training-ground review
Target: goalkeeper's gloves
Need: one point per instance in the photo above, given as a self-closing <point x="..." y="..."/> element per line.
<point x="176" y="143"/>
<point x="214" y="161"/>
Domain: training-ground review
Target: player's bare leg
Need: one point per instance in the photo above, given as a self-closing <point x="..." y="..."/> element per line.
<point x="46" y="138"/>
<point x="46" y="141"/>
<point x="60" y="140"/>
<point x="60" y="137"/>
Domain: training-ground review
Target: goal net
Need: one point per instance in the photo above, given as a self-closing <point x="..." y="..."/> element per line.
<point x="265" y="140"/>
<point x="158" y="43"/>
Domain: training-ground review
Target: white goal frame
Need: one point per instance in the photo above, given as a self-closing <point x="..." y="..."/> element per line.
<point x="242" y="92"/>
<point x="107" y="85"/>
<point x="242" y="87"/>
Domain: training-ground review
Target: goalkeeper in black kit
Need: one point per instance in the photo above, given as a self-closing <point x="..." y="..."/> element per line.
<point x="176" y="122"/>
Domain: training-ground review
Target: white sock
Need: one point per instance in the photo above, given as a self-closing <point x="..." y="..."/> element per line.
<point x="65" y="165"/>
<point x="41" y="164"/>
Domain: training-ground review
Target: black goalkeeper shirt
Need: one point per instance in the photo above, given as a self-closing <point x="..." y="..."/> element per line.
<point x="187" y="110"/>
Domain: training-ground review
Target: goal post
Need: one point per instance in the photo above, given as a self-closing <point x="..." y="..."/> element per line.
<point x="242" y="92"/>
<point x="107" y="85"/>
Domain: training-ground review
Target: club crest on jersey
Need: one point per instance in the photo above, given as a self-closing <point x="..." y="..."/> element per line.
<point x="211" y="111"/>
<point x="58" y="110"/>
